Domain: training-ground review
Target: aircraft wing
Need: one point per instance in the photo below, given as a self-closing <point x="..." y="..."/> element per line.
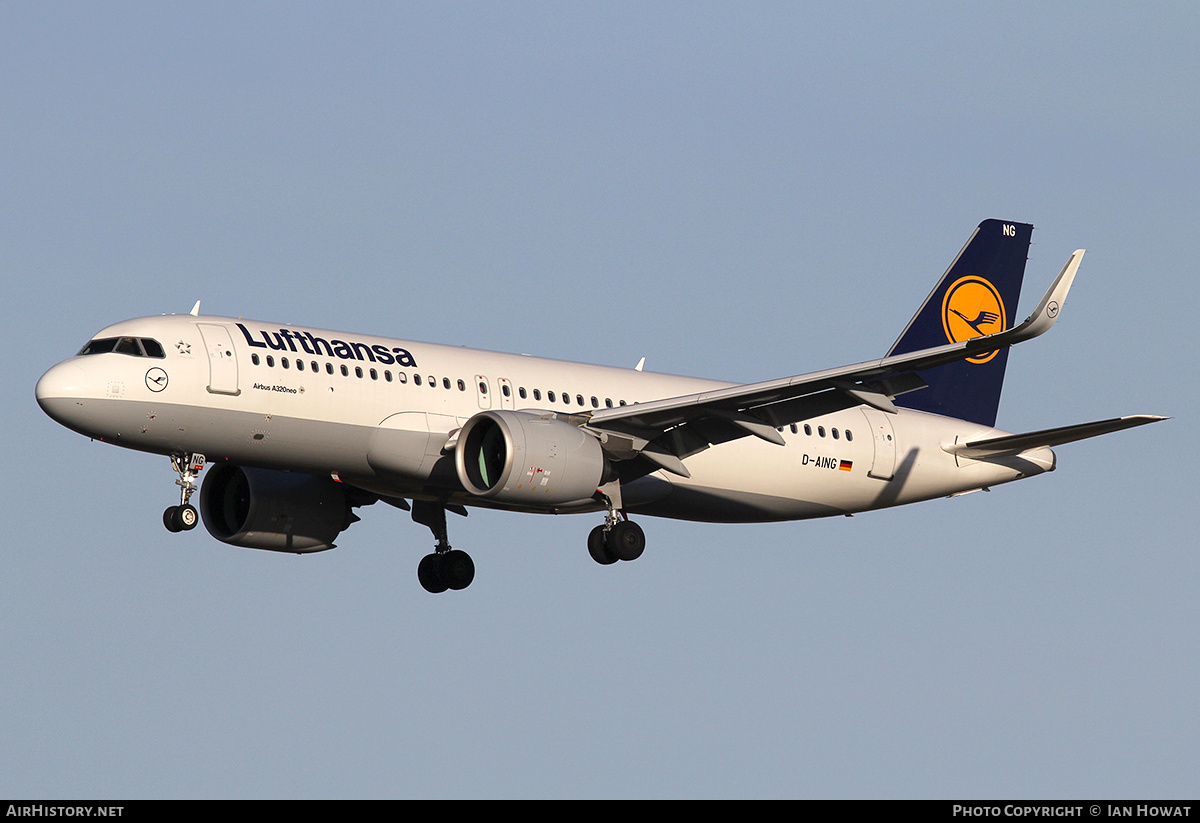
<point x="666" y="431"/>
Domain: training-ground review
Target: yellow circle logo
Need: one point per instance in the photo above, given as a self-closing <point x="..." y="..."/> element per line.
<point x="972" y="308"/>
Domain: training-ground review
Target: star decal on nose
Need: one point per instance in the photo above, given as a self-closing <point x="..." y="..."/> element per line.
<point x="184" y="348"/>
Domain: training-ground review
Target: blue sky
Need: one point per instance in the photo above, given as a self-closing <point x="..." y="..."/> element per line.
<point x="732" y="191"/>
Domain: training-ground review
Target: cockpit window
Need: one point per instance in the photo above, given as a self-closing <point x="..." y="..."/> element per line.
<point x="128" y="345"/>
<point x="133" y="346"/>
<point x="100" y="346"/>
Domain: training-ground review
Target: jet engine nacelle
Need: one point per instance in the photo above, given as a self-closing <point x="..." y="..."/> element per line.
<point x="279" y="511"/>
<point x="528" y="459"/>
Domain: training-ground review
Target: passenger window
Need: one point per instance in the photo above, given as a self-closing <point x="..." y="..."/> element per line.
<point x="550" y="396"/>
<point x="834" y="432"/>
<point x="345" y="370"/>
<point x="462" y="386"/>
<point x="283" y="361"/>
<point x="506" y="390"/>
<point x="329" y="368"/>
<point x="849" y="436"/>
<point x="254" y="358"/>
<point x="358" y="371"/>
<point x="299" y="365"/>
<point x="446" y="383"/>
<point x="820" y="431"/>
<point x="416" y="379"/>
<point x="374" y="374"/>
<point x="808" y="429"/>
<point x="402" y="377"/>
<point x="537" y="394"/>
<point x="387" y="375"/>
<point x="270" y="361"/>
<point x="521" y="391"/>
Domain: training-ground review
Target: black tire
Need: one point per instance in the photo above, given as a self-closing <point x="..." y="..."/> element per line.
<point x="598" y="549"/>
<point x="171" y="519"/>
<point x="627" y="540"/>
<point x="429" y="572"/>
<point x="458" y="569"/>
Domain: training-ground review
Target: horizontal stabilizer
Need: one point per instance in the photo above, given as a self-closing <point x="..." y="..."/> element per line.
<point x="1016" y="443"/>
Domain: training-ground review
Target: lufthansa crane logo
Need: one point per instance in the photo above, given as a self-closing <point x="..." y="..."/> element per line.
<point x="971" y="308"/>
<point x="156" y="379"/>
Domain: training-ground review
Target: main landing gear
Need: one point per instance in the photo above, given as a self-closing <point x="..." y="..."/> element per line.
<point x="445" y="568"/>
<point x="616" y="540"/>
<point x="184" y="517"/>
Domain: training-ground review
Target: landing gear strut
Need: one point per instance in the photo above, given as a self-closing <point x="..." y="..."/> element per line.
<point x="445" y="568"/>
<point x="184" y="517"/>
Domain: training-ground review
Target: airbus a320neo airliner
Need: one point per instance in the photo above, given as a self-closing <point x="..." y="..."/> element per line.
<point x="300" y="426"/>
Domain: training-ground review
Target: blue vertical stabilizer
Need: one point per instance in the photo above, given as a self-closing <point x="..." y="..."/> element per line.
<point x="977" y="295"/>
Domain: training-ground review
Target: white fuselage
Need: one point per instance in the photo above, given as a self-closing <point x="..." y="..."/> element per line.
<point x="377" y="413"/>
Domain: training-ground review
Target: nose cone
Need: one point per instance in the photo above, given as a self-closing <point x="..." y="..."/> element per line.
<point x="61" y="392"/>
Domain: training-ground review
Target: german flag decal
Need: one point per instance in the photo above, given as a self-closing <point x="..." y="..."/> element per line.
<point x="845" y="465"/>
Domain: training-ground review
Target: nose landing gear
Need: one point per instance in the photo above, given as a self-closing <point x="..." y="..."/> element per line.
<point x="184" y="517"/>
